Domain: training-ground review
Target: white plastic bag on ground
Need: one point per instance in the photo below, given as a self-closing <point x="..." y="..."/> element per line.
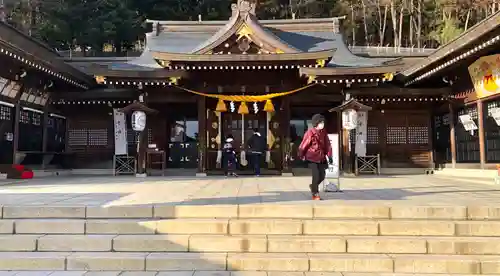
<point x="329" y="186"/>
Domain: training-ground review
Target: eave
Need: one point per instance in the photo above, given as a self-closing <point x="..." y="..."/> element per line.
<point x="40" y="57"/>
<point x="342" y="71"/>
<point x="174" y="57"/>
<point x="97" y="70"/>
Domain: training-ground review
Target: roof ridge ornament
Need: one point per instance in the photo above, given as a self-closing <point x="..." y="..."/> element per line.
<point x="244" y="7"/>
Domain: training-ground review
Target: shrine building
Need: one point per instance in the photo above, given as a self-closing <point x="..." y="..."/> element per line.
<point x="200" y="81"/>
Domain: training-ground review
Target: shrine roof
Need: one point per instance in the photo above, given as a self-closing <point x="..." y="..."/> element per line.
<point x="195" y="41"/>
<point x="37" y="55"/>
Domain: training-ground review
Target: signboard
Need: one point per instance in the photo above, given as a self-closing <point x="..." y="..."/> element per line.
<point x="361" y="133"/>
<point x="495" y="114"/>
<point x="485" y="75"/>
<point x="334" y="170"/>
<point x="138" y="120"/>
<point x="349" y="119"/>
<point x="121" y="147"/>
<point x="467" y="122"/>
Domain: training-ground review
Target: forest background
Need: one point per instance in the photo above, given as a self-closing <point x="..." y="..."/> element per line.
<point x="95" y="27"/>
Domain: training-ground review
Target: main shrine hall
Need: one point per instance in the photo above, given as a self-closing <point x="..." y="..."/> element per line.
<point x="200" y="81"/>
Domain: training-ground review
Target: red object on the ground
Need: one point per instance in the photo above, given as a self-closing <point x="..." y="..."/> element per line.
<point x="27" y="175"/>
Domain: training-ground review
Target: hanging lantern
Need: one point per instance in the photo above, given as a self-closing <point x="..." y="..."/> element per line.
<point x="269" y="107"/>
<point x="221" y="106"/>
<point x="138" y="120"/>
<point x="243" y="109"/>
<point x="349" y="119"/>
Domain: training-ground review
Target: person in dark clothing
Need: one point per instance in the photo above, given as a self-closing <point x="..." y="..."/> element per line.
<point x="229" y="157"/>
<point x="257" y="147"/>
<point x="316" y="149"/>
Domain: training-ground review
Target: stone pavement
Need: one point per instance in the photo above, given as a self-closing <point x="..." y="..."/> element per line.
<point x="113" y="191"/>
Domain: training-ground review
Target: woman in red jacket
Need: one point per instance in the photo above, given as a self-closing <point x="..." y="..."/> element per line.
<point x="316" y="150"/>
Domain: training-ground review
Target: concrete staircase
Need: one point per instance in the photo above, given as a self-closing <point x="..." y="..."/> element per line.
<point x="250" y="240"/>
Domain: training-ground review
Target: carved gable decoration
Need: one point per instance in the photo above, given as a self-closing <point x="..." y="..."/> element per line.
<point x="244" y="34"/>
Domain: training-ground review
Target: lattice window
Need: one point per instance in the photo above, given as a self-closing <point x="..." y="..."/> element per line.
<point x="36" y="119"/>
<point x="396" y="135"/>
<point x="372" y="135"/>
<point x="472" y="111"/>
<point x="77" y="137"/>
<point x="98" y="137"/>
<point x="25" y="117"/>
<point x="418" y="135"/>
<point x="5" y="113"/>
<point x="492" y="105"/>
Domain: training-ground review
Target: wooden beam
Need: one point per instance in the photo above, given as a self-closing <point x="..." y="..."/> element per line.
<point x="202" y="129"/>
<point x="482" y="144"/>
<point x="453" y="138"/>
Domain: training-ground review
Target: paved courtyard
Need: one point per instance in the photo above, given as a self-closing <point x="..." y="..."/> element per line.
<point x="109" y="191"/>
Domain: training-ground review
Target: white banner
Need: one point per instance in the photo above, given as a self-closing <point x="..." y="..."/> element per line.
<point x="495" y="113"/>
<point x="121" y="147"/>
<point x="334" y="170"/>
<point x="467" y="122"/>
<point x="361" y="133"/>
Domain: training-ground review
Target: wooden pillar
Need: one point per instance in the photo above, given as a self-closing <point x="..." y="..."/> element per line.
<point x="142" y="146"/>
<point x="285" y="135"/>
<point x="346" y="153"/>
<point x="453" y="138"/>
<point x="15" y="143"/>
<point x="17" y="117"/>
<point x="44" y="132"/>
<point x="482" y="144"/>
<point x="202" y="134"/>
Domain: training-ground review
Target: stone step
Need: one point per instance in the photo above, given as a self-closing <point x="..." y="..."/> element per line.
<point x="206" y="273"/>
<point x="298" y="211"/>
<point x="374" y="263"/>
<point x="253" y="227"/>
<point x="252" y="243"/>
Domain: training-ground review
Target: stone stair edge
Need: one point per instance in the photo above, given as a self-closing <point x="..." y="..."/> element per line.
<point x="225" y="273"/>
<point x="253" y="227"/>
<point x="376" y="263"/>
<point x="456" y="246"/>
<point x="298" y="211"/>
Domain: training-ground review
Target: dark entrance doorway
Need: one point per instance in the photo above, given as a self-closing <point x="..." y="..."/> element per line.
<point x="241" y="127"/>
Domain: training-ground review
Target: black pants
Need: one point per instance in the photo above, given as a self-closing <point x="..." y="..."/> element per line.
<point x="256" y="159"/>
<point x="228" y="163"/>
<point x="318" y="175"/>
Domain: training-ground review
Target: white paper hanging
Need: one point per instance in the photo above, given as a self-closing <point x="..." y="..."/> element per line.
<point x="121" y="147"/>
<point x="361" y="133"/>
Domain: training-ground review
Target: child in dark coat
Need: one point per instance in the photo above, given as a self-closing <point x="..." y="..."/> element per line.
<point x="229" y="157"/>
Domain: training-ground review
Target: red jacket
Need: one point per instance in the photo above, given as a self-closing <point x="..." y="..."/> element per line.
<point x="315" y="146"/>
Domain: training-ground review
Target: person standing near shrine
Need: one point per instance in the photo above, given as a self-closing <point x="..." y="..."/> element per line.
<point x="316" y="150"/>
<point x="257" y="147"/>
<point x="229" y="157"/>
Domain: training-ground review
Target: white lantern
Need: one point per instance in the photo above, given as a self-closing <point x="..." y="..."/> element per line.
<point x="349" y="119"/>
<point x="138" y="120"/>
